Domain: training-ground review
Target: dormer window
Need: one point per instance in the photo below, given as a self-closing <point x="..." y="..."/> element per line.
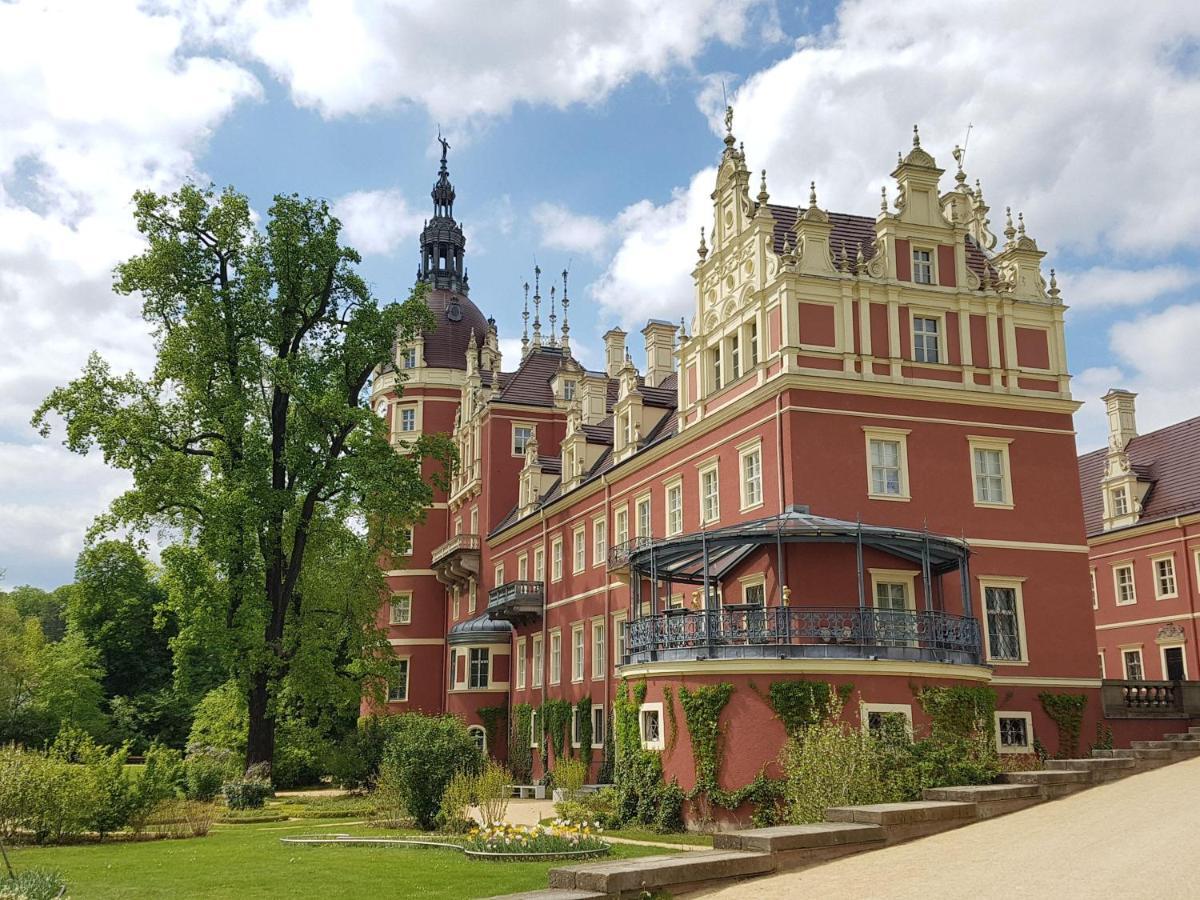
<point x="1120" y="502"/>
<point x="408" y="358"/>
<point x="922" y="266"/>
<point x="568" y="391"/>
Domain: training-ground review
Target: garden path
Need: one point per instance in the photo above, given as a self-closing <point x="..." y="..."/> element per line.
<point x="1133" y="838"/>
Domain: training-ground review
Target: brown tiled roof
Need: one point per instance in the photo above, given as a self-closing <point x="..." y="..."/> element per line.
<point x="446" y="344"/>
<point x="1168" y="458"/>
<point x="530" y="384"/>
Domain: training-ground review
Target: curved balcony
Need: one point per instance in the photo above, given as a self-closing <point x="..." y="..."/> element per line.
<point x="823" y="633"/>
<point x="519" y="602"/>
<point x="456" y="561"/>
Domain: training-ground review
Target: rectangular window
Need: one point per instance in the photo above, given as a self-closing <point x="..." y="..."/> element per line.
<point x="472" y="596"/>
<point x="400" y="609"/>
<point x="1003" y="623"/>
<point x="599" y="541"/>
<point x="555" y="657"/>
<point x="598" y="725"/>
<point x="1012" y="733"/>
<point x="1120" y="502"/>
<point x="478" y="677"/>
<point x="618" y="640"/>
<point x="539" y="564"/>
<point x="598" y="650"/>
<point x="735" y="358"/>
<point x="753" y="344"/>
<point x="1133" y="665"/>
<point x="556" y="559"/>
<point x="408" y="358"/>
<point x="990" y="471"/>
<point x="674" y="509"/>
<point x="926" y="347"/>
<point x="1164" y="578"/>
<point x="885" y="468"/>
<point x="579" y="549"/>
<point x="522" y="435"/>
<point x="398" y="686"/>
<point x="650" y="726"/>
<point x="1103" y="672"/>
<point x="710" y="500"/>
<point x="533" y="729"/>
<point x="1095" y="593"/>
<point x="715" y="357"/>
<point x="621" y="526"/>
<point x="410" y="537"/>
<point x="523" y="567"/>
<point x="521" y="662"/>
<point x="922" y="267"/>
<point x="752" y="494"/>
<point x="408" y="418"/>
<point x="453" y="667"/>
<point x="577" y="647"/>
<point x="1126" y="589"/>
<point x="569" y="390"/>
<point x="755" y="592"/>
<point x="457" y="604"/>
<point x="575" y="741"/>
<point x="499" y="574"/>
<point x="539" y="661"/>
<point x="643" y="516"/>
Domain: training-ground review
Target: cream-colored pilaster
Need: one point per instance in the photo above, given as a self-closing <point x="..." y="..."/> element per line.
<point x="893" y="312"/>
<point x="864" y="329"/>
<point x="993" y="335"/>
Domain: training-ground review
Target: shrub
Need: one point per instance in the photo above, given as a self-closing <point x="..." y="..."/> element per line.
<point x="59" y="799"/>
<point x="250" y="791"/>
<point x="14" y="790"/>
<point x="32" y="884"/>
<point x="181" y="818"/>
<point x="302" y="755"/>
<point x="452" y="809"/>
<point x="492" y="791"/>
<point x="831" y="764"/>
<point x="205" y="770"/>
<point x="221" y="720"/>
<point x="421" y="756"/>
<point x="391" y="798"/>
<point x="570" y="775"/>
<point x="162" y="779"/>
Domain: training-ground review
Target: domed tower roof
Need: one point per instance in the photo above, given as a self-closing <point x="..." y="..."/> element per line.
<point x="443" y="251"/>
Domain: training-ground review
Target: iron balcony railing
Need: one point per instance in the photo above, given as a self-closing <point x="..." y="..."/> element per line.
<point x="618" y="555"/>
<point x="456" y="543"/>
<point x="522" y="593"/>
<point x="832" y="632"/>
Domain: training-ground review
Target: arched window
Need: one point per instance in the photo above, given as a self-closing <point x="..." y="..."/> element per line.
<point x="479" y="735"/>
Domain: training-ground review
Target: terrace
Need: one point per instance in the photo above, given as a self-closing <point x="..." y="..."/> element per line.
<point x="518" y="602"/>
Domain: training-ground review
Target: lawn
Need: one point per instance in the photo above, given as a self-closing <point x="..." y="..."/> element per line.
<point x="248" y="861"/>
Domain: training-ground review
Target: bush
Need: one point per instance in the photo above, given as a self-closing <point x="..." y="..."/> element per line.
<point x="32" y="884"/>
<point x="248" y="792"/>
<point x="452" y="810"/>
<point x="205" y="770"/>
<point x="492" y="791"/>
<point x="162" y="779"/>
<point x="181" y="818"/>
<point x="302" y="755"/>
<point x="831" y="764"/>
<point x="570" y="775"/>
<point x="421" y="756"/>
<point x="221" y="720"/>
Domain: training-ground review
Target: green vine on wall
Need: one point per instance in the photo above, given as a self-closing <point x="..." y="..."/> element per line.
<point x="1066" y="710"/>
<point x="520" y="754"/>
<point x="702" y="712"/>
<point x="583" y="715"/>
<point x="556" y="722"/>
<point x="672" y="722"/>
<point x="799" y="704"/>
<point x="959" y="711"/>
<point x="492" y="716"/>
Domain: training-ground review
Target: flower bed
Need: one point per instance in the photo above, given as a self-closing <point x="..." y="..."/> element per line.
<point x="562" y="840"/>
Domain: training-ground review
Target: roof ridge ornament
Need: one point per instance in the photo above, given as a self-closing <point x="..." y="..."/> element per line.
<point x="525" y="324"/>
<point x="537" y="307"/>
<point x="566" y="329"/>
<point x="702" y="250"/>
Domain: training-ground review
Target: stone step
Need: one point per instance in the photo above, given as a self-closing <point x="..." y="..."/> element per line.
<point x="902" y="813"/>
<point x="1194" y="729"/>
<point x="1094" y="765"/>
<point x="1182" y="736"/>
<point x="1045" y="776"/>
<point x="798" y="837"/>
<point x="1184" y="746"/>
<point x="981" y="793"/>
<point x="1129" y="753"/>
<point x="654" y="873"/>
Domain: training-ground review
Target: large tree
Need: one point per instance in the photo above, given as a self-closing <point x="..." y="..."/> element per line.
<point x="252" y="442"/>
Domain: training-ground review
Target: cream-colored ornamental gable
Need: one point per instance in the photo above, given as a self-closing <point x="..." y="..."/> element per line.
<point x="1123" y="489"/>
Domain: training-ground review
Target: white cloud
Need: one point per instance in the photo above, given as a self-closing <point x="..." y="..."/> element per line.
<point x="376" y="221"/>
<point x="466" y="58"/>
<point x="561" y="229"/>
<point x="1093" y="161"/>
<point x="1102" y="286"/>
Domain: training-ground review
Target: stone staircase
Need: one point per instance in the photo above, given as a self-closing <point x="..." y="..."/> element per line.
<point x="855" y="829"/>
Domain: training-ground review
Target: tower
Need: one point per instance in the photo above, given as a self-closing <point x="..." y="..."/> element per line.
<point x="443" y="245"/>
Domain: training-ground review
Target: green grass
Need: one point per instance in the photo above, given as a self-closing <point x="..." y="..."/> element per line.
<point x="248" y="861"/>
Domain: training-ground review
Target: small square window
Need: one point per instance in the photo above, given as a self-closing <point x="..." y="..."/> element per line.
<point x="522" y="435"/>
<point x="400" y="609"/>
<point x="755" y="593"/>
<point x="922" y="266"/>
<point x="650" y="724"/>
<point x="408" y="419"/>
<point x="1012" y="733"/>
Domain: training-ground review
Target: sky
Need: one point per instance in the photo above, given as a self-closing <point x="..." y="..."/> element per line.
<point x="584" y="135"/>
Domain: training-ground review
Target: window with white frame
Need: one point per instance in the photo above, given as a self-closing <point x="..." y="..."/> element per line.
<point x="410" y="537"/>
<point x="479" y="735"/>
<point x="618" y="621"/>
<point x="1002" y="604"/>
<point x="474" y="520"/>
<point x="1014" y="732"/>
<point x="1120" y="501"/>
<point x="1165" y="586"/>
<point x="408" y="358"/>
<point x="577" y="646"/>
<point x="926" y="339"/>
<point x="408" y="418"/>
<point x="599" y="541"/>
<point x="735" y="357"/>
<point x="598" y="650"/>
<point x="714" y="356"/>
<point x="752" y="343"/>
<point x="534" y="731"/>
<point x="456" y="606"/>
<point x="650" y="726"/>
<point x="599" y="724"/>
<point x="922" y="267"/>
<point x="887" y="463"/>
<point x="674" y="508"/>
<point x="710" y="495"/>
<point x="1095" y="593"/>
<point x="539" y="661"/>
<point x="754" y="591"/>
<point x="523" y="567"/>
<point x="400" y="608"/>
<point x="1103" y="667"/>
<point x="398" y="685"/>
<point x="1132" y="660"/>
<point x="1124" y="584"/>
<point x="454" y="682"/>
<point x="521" y="663"/>
<point x="477" y="677"/>
<point x="499" y="574"/>
<point x="575" y="735"/>
<point x="539" y="564"/>
<point x="876" y="717"/>
<point x="990" y="471"/>
<point x="643" y="516"/>
<point x="555" y="656"/>
<point x="579" y="548"/>
<point x="556" y="559"/>
<point x="521" y="436"/>
<point x="621" y="526"/>
<point x="751" y="465"/>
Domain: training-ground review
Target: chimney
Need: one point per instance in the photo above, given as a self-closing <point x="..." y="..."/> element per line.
<point x="1122" y="423"/>
<point x="660" y="351"/>
<point x="614" y="351"/>
<point x="593" y="397"/>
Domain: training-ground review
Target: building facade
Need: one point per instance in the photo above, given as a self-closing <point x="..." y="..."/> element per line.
<point x="856" y="464"/>
<point x="1141" y="501"/>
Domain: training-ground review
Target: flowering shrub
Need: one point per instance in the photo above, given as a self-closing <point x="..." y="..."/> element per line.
<point x="564" y="836"/>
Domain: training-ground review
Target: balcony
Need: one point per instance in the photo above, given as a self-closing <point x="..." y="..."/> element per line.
<point x="518" y="602"/>
<point x="1150" y="699"/>
<point x="620" y="554"/>
<point x="757" y="632"/>
<point x="456" y="562"/>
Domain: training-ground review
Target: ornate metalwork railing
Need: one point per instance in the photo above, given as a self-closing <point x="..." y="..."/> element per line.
<point x="807" y="631"/>
<point x="512" y="592"/>
<point x="456" y="543"/>
<point x="618" y="555"/>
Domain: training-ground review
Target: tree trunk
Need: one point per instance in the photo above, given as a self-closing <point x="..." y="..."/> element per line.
<point x="260" y="743"/>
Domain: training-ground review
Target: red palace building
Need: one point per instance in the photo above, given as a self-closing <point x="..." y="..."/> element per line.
<point x="856" y="465"/>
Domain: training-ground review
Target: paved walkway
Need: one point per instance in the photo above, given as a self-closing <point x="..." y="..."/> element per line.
<point x="1138" y="837"/>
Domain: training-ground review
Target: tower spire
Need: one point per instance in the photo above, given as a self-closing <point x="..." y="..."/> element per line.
<point x="553" y="319"/>
<point x="537" y="308"/>
<point x="525" y="324"/>
<point x="566" y="329"/>
<point x="443" y="245"/>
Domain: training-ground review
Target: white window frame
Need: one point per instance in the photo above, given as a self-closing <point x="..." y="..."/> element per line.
<point x="456" y="605"/>
<point x="618" y="643"/>
<point x="480" y="732"/>
<point x="1117" y="568"/>
<point x="404" y="599"/>
<point x="578" y="548"/>
<point x="599" y="639"/>
<point x="753" y="581"/>
<point x="643" y="525"/>
<point x="539" y="564"/>
<point x="575" y="742"/>
<point x="521" y="664"/>
<point x="533" y="730"/>
<point x="403" y="408"/>
<point x="498" y="574"/>
<point x="660" y="742"/>
<point x="673" y="514"/>
<point x="941" y="341"/>
<point x="556" y="559"/>
<point x="513" y="442"/>
<point x="523" y="567"/>
<point x="894" y="436"/>
<point x="1132" y="648"/>
<point x="1159" y="594"/>
<point x="538" y="661"/>
<point x="929" y="264"/>
<point x="621" y="525"/>
<point x="598" y="733"/>
<point x="471" y="656"/>
<point x="392" y="693"/>
<point x="1095" y="590"/>
<point x="1162" y="657"/>
<point x="472" y="596"/>
<point x="578" y="653"/>
<point x="1103" y="666"/>
<point x="599" y="541"/>
<point x="995" y="444"/>
<point x="1122" y="508"/>
<point x="751" y="488"/>
<point x="407" y="358"/>
<point x="865" y="709"/>
<point x="1016" y="585"/>
<point x="555" y="651"/>
<point x="1011" y="714"/>
<point x="709" y="515"/>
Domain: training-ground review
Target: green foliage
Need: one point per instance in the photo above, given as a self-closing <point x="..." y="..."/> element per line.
<point x="702" y="712"/>
<point x="456" y="798"/>
<point x="48" y="607"/>
<point x="1066" y="711"/>
<point x="492" y="791"/>
<point x="800" y="704"/>
<point x="1104" y="737"/>
<point x="831" y="764"/>
<point x="959" y="711"/>
<point x="32" y="884"/>
<point x="248" y="792"/>
<point x="163" y="716"/>
<point x="163" y="778"/>
<point x="672" y="722"/>
<point x="422" y="754"/>
<point x="570" y="775"/>
<point x="492" y="718"/>
<point x="302" y="754"/>
<point x="206" y="769"/>
<point x="221" y="720"/>
<point x="583" y="715"/>
<point x="610" y="750"/>
<point x="252" y="442"/>
<point x="520" y="754"/>
<point x="555" y="717"/>
<point x="641" y="794"/>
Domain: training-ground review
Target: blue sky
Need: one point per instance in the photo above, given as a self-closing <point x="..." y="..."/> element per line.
<point x="583" y="132"/>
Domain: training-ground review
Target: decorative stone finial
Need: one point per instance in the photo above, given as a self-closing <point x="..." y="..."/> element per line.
<point x="553" y="318"/>
<point x="537" y="307"/>
<point x="1009" y="231"/>
<point x="702" y="250"/>
<point x="812" y="195"/>
<point x="566" y="329"/>
<point x="763" y="196"/>
<point x="525" y="323"/>
<point x="916" y="138"/>
<point x="883" y="199"/>
<point x="1021" y="224"/>
<point x="1054" y="291"/>
<point x="860" y="261"/>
